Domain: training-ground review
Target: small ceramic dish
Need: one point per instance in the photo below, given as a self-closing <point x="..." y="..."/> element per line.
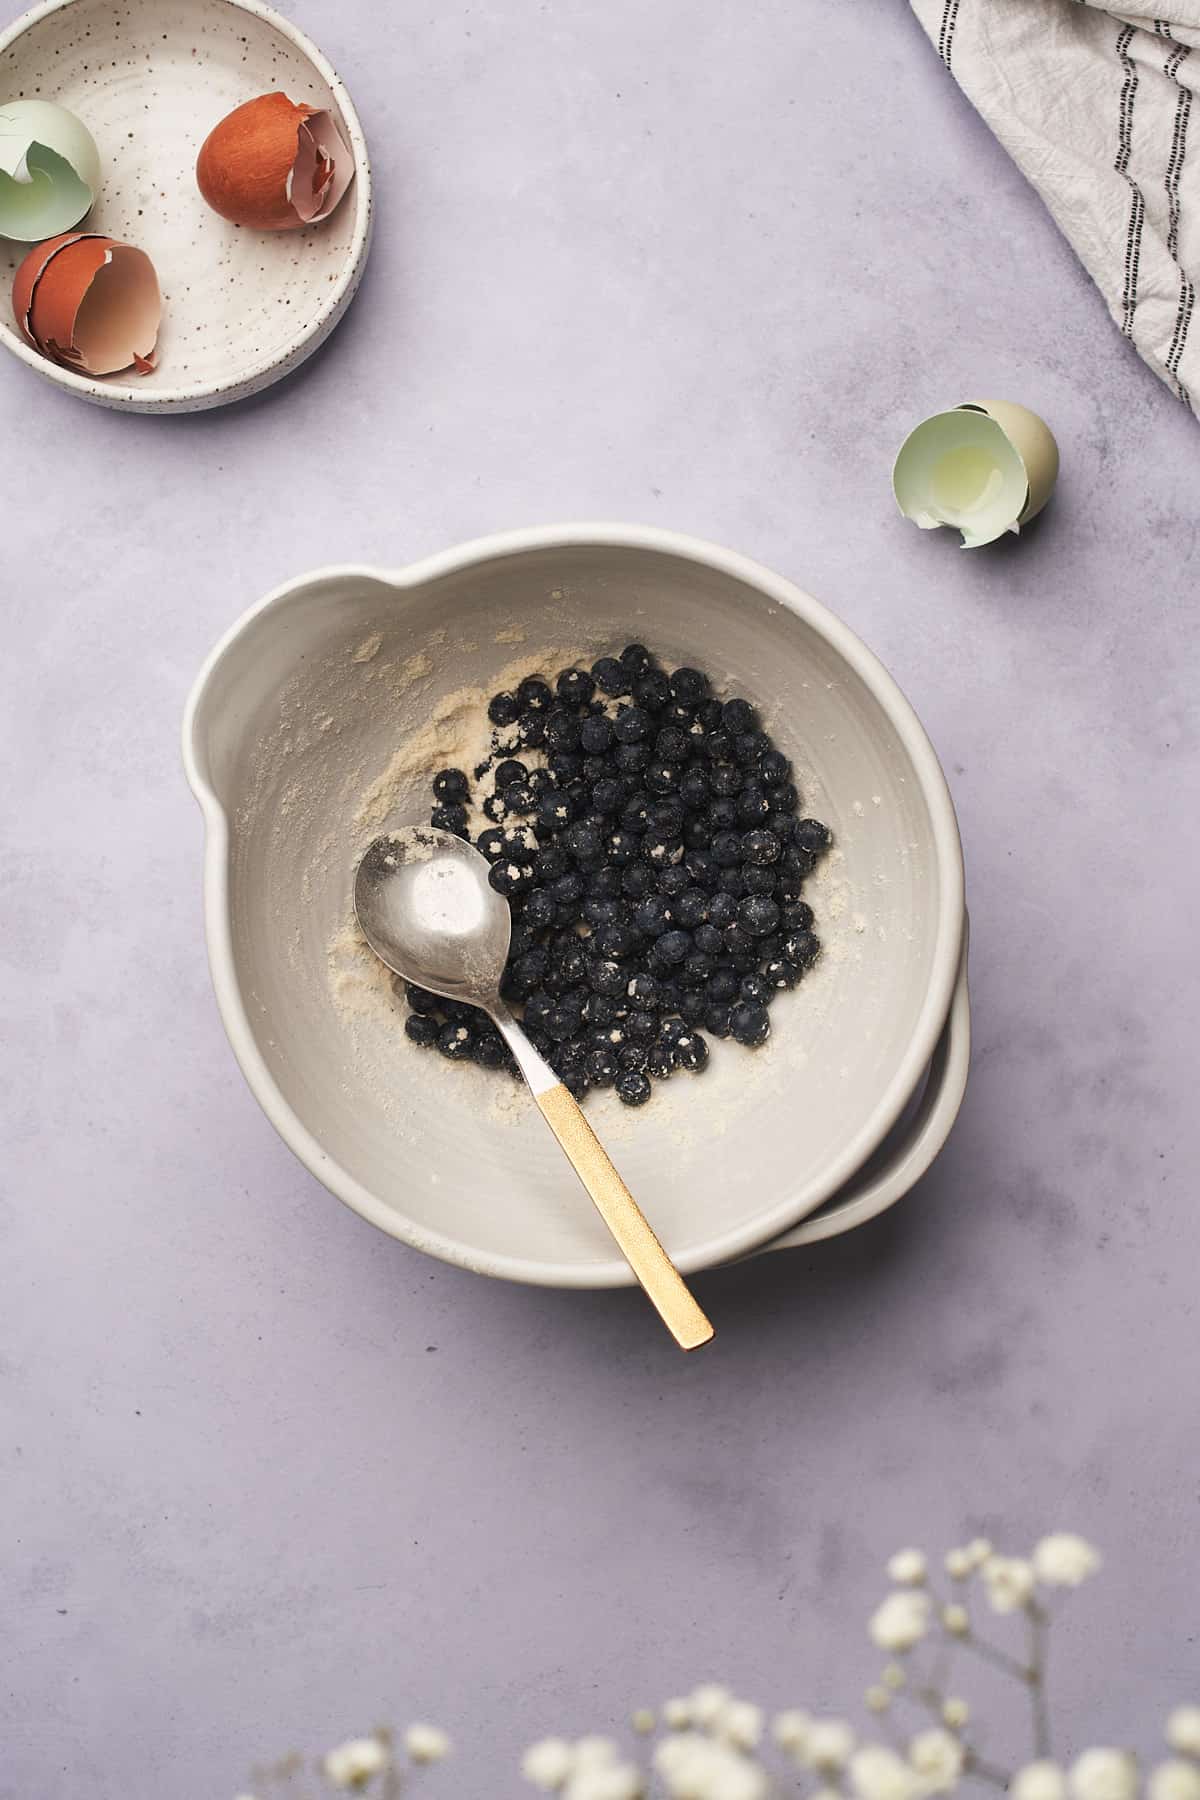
<point x="311" y="727"/>
<point x="150" y="79"/>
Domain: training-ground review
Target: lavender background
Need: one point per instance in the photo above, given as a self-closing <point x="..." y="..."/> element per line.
<point x="269" y="1477"/>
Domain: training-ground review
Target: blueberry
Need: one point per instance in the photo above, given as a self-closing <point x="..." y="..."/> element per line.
<point x="583" y="841"/>
<point x="695" y="788"/>
<point x="534" y="695"/>
<point x="575" y="687"/>
<point x="749" y="1023"/>
<point x="616" y="940"/>
<point x="638" y="881"/>
<point x="455" y="1041"/>
<point x="602" y="1068"/>
<point x="753" y="806"/>
<point x="490" y="1050"/>
<point x="422" y="1029"/>
<point x="604" y="883"/>
<point x="708" y="940"/>
<point x="722" y="815"/>
<point x="611" y="676"/>
<point x="716" y="1020"/>
<point x="651" y="690"/>
<point x="739" y="941"/>
<point x="730" y="882"/>
<point x="700" y="869"/>
<point x="568" y="889"/>
<point x="758" y="881"/>
<point x="606" y="795"/>
<point x="550" y="862"/>
<point x="708" y="714"/>
<point x="691" y="1051"/>
<point x="725" y="780"/>
<point x="662" y="777"/>
<point x="620" y="851"/>
<point x="596" y="736"/>
<point x="753" y="987"/>
<point x="759" y="914"/>
<point x="775" y="769"/>
<point x="722" y="909"/>
<point x="538" y="910"/>
<point x="688" y="686"/>
<point x="727" y="849"/>
<point x="635" y="658"/>
<point x="653" y="916"/>
<point x="509" y="771"/>
<point x="643" y="992"/>
<point x="607" y="976"/>
<point x="665" y="816"/>
<point x="796" y="915"/>
<point x="519" y="798"/>
<point x="641" y="1027"/>
<point x="631" y="726"/>
<point x="660" y="1063"/>
<point x="503" y="709"/>
<point x="420" y="999"/>
<point x="812" y="836"/>
<point x="659" y="851"/>
<point x="633" y="1087"/>
<point x="691" y="909"/>
<point x="673" y="881"/>
<point x="801" y="949"/>
<point x="450" y="818"/>
<point x="451" y="784"/>
<point x="779" y="973"/>
<point x="761" y="847"/>
<point x="723" y="985"/>
<point x="562" y="732"/>
<point x="738" y="716"/>
<point x="672" y="744"/>
<point x="632" y="1056"/>
<point x="631" y="759"/>
<point x="697" y="967"/>
<point x="635" y="815"/>
<point x="562" y="1022"/>
<point x="529" y="970"/>
<point x="509" y="877"/>
<point x="718" y="747"/>
<point x="673" y="946"/>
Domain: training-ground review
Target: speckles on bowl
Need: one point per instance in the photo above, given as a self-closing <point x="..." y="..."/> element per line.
<point x="151" y="78"/>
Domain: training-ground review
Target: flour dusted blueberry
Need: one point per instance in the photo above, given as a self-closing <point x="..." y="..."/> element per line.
<point x="646" y="834"/>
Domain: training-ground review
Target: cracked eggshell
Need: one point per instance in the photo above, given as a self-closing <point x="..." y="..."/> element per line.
<point x="274" y="165"/>
<point x="986" y="467"/>
<point x="49" y="170"/>
<point x="90" y="303"/>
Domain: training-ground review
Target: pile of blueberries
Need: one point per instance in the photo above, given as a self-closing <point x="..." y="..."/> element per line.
<point x="653" y="862"/>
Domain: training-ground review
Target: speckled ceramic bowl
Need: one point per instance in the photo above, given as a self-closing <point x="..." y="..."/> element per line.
<point x="150" y="78"/>
<point x="290" y="742"/>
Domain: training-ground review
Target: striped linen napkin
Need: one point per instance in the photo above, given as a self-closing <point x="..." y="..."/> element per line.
<point x="1095" y="107"/>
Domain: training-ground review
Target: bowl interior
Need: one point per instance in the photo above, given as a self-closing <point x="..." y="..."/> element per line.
<point x="150" y="79"/>
<point x="319" y="726"/>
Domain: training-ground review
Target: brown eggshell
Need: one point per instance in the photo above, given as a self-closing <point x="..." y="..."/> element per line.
<point x="245" y="164"/>
<point x="89" y="302"/>
<point x="29" y="274"/>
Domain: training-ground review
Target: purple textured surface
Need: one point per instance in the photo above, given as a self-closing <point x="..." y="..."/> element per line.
<point x="268" y="1477"/>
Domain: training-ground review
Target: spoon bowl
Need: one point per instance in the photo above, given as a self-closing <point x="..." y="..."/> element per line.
<point x="428" y="911"/>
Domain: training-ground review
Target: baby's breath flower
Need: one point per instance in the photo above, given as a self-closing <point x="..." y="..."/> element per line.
<point x="1183" y="1730"/>
<point x="610" y="1781"/>
<point x="694" y="1766"/>
<point x="708" y="1703"/>
<point x="1009" y="1581"/>
<point x="937" y="1757"/>
<point x="790" y="1730"/>
<point x="893" y="1676"/>
<point x="908" y="1567"/>
<point x="880" y="1774"/>
<point x="1064" y="1560"/>
<point x="1039" y="1781"/>
<point x="978" y="1551"/>
<point x="1174" y="1780"/>
<point x="548" y="1764"/>
<point x="740" y="1723"/>
<point x="1104" y="1775"/>
<point x="901" y="1621"/>
<point x="955" y="1712"/>
<point x="956" y="1619"/>
<point x="643" y="1721"/>
<point x="352" y="1764"/>
<point x="878" y="1699"/>
<point x="426" y="1743"/>
<point x="677" y="1714"/>
<point x="828" y="1745"/>
<point x="826" y="1793"/>
<point x="959" y="1564"/>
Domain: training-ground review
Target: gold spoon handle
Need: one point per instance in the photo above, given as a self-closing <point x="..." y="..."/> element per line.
<point x="658" y="1275"/>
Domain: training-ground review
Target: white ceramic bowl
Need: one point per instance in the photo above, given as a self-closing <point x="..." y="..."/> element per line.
<point x="150" y="78"/>
<point x="296" y="716"/>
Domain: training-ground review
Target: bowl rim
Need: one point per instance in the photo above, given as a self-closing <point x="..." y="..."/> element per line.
<point x="124" y="395"/>
<point x="738" y="1240"/>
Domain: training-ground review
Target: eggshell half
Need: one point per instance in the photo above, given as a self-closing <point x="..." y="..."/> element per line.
<point x="274" y="164"/>
<point x="985" y="467"/>
<point x="89" y="302"/>
<point x="49" y="170"/>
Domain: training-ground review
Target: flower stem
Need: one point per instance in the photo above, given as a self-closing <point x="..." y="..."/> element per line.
<point x="1037" y="1681"/>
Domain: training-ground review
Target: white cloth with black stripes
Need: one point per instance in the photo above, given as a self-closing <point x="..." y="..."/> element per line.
<point x="1101" y="109"/>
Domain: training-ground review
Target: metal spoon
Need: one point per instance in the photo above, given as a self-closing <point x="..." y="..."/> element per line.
<point x="428" y="911"/>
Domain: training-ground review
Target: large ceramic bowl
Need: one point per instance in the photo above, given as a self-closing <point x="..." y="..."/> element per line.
<point x="315" y="723"/>
<point x="150" y="79"/>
